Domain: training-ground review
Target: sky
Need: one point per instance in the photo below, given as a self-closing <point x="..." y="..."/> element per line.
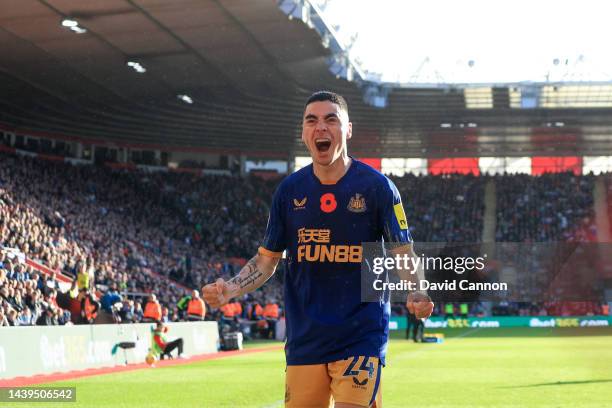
<point x="477" y="41"/>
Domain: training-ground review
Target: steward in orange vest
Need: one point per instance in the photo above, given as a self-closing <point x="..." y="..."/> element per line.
<point x="271" y="311"/>
<point x="152" y="311"/>
<point x="229" y="311"/>
<point x="271" y="314"/>
<point x="196" y="309"/>
<point x="237" y="309"/>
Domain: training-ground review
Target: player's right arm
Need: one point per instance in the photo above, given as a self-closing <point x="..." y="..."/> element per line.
<point x="259" y="268"/>
<point x="254" y="274"/>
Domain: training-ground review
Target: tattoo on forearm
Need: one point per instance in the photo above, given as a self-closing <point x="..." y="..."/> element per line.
<point x="249" y="275"/>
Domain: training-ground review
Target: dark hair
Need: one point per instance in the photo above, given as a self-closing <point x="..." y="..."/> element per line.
<point x="333" y="97"/>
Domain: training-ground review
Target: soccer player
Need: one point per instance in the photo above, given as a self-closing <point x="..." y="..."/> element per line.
<point x="321" y="215"/>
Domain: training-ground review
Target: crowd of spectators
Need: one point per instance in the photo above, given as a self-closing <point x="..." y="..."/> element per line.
<point x="609" y="198"/>
<point x="26" y="297"/>
<point x="141" y="233"/>
<point x="226" y="215"/>
<point x="551" y="207"/>
<point x="447" y="208"/>
<point x="84" y="217"/>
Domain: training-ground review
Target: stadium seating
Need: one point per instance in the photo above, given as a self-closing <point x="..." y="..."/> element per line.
<point x="446" y="208"/>
<point x="551" y="207"/>
<point x="165" y="233"/>
<point x="26" y="297"/>
<point x="609" y="197"/>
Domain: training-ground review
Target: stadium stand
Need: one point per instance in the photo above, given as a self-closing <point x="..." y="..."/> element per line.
<point x="136" y="233"/>
<point x="447" y="208"/>
<point x="551" y="207"/>
<point x="94" y="220"/>
<point x="609" y="197"/>
<point x="26" y="297"/>
<point x="140" y="231"/>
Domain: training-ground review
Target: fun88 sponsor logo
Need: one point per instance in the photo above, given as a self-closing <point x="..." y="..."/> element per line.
<point x="315" y="248"/>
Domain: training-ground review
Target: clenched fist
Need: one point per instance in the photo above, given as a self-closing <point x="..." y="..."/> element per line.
<point x="219" y="293"/>
<point x="420" y="305"/>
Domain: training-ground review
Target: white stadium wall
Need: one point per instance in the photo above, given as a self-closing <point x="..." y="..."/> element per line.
<point x="490" y="165"/>
<point x="597" y="164"/>
<point x="26" y="351"/>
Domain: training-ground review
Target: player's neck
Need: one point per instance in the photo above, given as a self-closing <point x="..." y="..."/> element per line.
<point x="334" y="172"/>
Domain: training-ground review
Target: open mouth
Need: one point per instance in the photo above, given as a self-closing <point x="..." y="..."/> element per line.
<point x="323" y="145"/>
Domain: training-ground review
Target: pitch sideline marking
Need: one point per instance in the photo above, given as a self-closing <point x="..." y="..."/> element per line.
<point x="90" y="372"/>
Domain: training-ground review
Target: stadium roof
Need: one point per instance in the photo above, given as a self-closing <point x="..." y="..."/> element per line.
<point x="233" y="74"/>
<point x="425" y="43"/>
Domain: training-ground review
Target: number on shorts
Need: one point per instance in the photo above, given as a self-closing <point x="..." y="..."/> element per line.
<point x="369" y="368"/>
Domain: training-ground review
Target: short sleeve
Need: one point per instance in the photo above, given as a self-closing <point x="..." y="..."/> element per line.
<point x="274" y="242"/>
<point x="392" y="215"/>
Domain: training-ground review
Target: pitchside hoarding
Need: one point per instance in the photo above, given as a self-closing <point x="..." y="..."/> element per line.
<point x="399" y="323"/>
<point x="32" y="350"/>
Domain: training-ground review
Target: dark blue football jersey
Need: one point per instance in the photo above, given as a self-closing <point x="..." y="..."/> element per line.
<point x="322" y="228"/>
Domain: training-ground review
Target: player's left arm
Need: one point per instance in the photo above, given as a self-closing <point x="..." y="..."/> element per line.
<point x="397" y="235"/>
<point x="418" y="303"/>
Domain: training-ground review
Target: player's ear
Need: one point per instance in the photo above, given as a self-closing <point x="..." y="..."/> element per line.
<point x="350" y="131"/>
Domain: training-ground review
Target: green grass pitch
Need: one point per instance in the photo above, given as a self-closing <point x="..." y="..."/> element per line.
<point x="516" y="368"/>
